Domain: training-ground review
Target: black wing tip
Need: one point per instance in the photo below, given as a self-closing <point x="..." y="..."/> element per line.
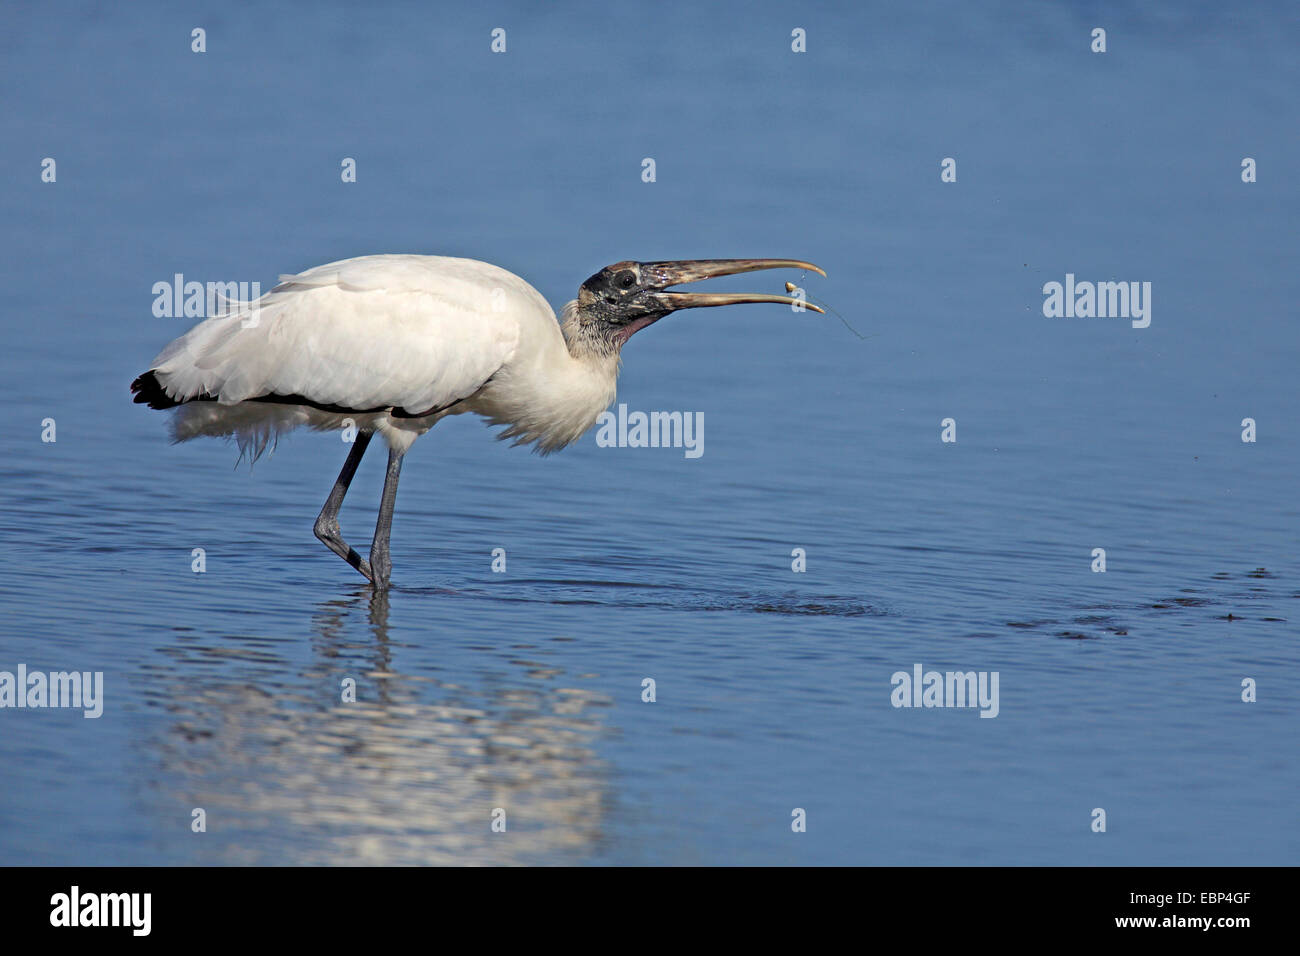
<point x="149" y="391"/>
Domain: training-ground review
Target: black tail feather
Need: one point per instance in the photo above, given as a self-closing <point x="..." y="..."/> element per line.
<point x="149" y="391"/>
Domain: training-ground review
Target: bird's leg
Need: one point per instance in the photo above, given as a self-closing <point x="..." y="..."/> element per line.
<point x="327" y="523"/>
<point x="380" y="564"/>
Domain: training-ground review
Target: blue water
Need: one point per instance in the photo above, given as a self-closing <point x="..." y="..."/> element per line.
<point x="522" y="690"/>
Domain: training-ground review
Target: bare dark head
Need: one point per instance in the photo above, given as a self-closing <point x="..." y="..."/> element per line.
<point x="622" y="299"/>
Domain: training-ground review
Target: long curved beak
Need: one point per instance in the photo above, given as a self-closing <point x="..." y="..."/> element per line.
<point x="661" y="275"/>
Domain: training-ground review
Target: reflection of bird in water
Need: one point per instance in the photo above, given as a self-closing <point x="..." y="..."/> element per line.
<point x="410" y="774"/>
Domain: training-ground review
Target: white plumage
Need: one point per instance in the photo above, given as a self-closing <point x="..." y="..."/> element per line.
<point x="393" y="343"/>
<point x="411" y="333"/>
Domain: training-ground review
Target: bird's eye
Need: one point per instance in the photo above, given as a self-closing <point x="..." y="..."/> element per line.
<point x="626" y="280"/>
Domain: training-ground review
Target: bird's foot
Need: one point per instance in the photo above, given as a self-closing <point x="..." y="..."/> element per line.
<point x="328" y="531"/>
<point x="381" y="568"/>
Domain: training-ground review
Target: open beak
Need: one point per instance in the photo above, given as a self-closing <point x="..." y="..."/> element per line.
<point x="661" y="275"/>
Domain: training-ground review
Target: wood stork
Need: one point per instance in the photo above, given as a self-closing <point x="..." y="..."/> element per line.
<point x="390" y="344"/>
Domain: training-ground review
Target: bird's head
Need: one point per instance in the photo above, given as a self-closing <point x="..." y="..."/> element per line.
<point x="622" y="299"/>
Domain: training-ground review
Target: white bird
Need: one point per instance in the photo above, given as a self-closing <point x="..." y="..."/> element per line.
<point x="391" y="344"/>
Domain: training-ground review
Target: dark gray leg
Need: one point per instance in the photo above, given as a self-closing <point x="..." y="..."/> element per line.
<point x="327" y="523"/>
<point x="381" y="566"/>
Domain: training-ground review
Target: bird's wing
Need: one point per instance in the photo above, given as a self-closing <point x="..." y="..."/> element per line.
<point x="412" y="332"/>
